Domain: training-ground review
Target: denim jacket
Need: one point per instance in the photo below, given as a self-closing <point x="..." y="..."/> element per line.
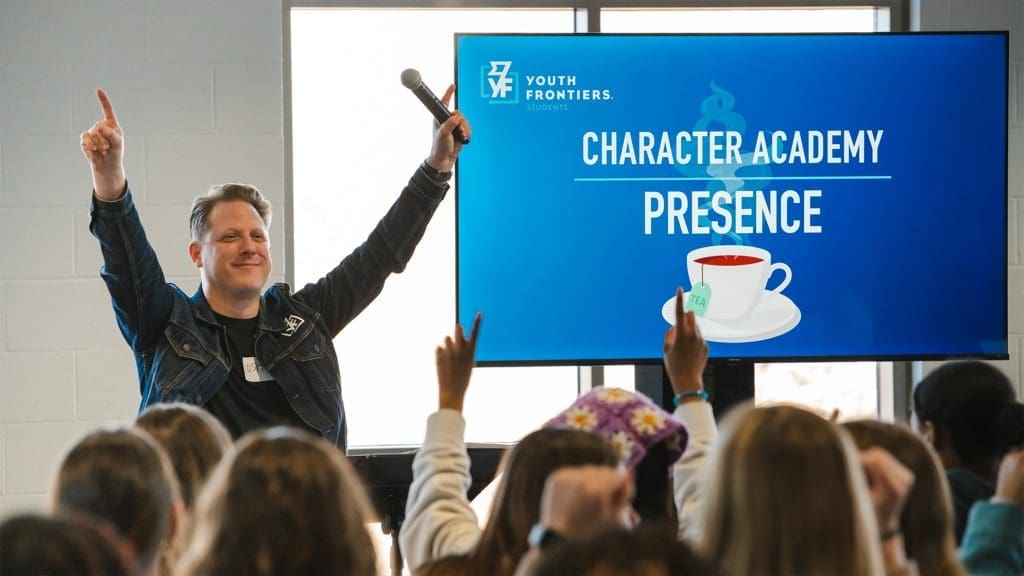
<point x="176" y="339"/>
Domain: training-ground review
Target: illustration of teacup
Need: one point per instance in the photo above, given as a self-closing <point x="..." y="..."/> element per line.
<point x="737" y="277"/>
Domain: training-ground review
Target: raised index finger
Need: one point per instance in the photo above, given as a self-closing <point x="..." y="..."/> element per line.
<point x="108" y="109"/>
<point x="476" y="327"/>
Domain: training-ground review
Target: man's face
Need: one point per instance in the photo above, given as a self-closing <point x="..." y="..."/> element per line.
<point x="234" y="254"/>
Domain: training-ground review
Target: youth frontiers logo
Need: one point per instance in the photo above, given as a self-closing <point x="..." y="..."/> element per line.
<point x="499" y="84"/>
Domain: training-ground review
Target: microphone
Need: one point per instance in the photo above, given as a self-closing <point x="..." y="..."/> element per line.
<point x="411" y="79"/>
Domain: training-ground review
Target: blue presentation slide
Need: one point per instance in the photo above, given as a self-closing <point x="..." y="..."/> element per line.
<point x="815" y="196"/>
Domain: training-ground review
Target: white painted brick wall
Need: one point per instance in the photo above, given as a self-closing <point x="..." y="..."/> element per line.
<point x="37" y="387"/>
<point x="34" y="452"/>
<point x="106" y="386"/>
<point x="36" y="243"/>
<point x="197" y="88"/>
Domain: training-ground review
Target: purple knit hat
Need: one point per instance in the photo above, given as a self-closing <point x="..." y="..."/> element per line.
<point x="629" y="420"/>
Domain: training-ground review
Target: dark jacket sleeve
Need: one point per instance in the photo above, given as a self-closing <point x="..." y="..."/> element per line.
<point x="141" y="297"/>
<point x="350" y="287"/>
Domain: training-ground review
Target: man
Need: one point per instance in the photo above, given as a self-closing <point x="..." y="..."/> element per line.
<point x="252" y="360"/>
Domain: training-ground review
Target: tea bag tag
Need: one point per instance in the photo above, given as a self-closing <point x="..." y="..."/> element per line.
<point x="700" y="295"/>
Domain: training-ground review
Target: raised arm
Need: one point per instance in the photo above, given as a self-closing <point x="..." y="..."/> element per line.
<point x="350" y="287"/>
<point x="103" y="146"/>
<point x="439" y="521"/>
<point x="142" y="299"/>
<point x="686" y="353"/>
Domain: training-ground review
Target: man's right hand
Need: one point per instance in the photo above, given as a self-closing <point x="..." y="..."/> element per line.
<point x="103" y="146"/>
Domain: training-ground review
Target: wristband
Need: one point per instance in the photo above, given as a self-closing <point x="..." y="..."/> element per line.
<point x="435" y="174"/>
<point x="542" y="537"/>
<point x="678" y="398"/>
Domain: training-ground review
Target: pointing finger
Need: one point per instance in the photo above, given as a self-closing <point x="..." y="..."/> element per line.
<point x="680" y="313"/>
<point x="108" y="109"/>
<point x="447" y="98"/>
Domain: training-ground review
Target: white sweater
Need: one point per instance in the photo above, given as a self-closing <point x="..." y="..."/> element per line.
<point x="439" y="521"/>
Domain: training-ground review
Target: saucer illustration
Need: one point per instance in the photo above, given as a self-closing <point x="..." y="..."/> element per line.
<point x="774" y="315"/>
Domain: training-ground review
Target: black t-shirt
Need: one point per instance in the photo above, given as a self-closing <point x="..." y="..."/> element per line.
<point x="251" y="398"/>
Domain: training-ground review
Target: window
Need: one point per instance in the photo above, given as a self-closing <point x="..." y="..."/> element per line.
<point x="357" y="137"/>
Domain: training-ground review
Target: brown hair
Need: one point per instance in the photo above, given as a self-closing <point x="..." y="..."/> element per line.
<point x="121" y="475"/>
<point x="192" y="437"/>
<point x="516" y="506"/>
<point x="786" y="495"/>
<point x="645" y="550"/>
<point x="284" y="502"/>
<point x="927" y="519"/>
<point x="66" y="544"/>
<point x="202" y="205"/>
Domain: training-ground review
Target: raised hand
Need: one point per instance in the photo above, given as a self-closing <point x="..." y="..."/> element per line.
<point x="103" y="146"/>
<point x="685" y="350"/>
<point x="446" y="146"/>
<point x="455" y="361"/>
<point x="580" y="500"/>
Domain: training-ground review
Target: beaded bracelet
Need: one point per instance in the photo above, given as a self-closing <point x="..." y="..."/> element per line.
<point x="678" y="398"/>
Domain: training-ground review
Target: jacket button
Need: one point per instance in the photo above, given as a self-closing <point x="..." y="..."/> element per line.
<point x="316" y="348"/>
<point x="197" y="398"/>
<point x="186" y="348"/>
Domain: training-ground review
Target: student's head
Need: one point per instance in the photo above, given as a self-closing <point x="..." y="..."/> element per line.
<point x="785" y="494"/>
<point x="194" y="441"/>
<point x="61" y="545"/>
<point x="966" y="411"/>
<point x="282" y="502"/>
<point x="516" y="506"/>
<point x="230" y="245"/>
<point x="927" y="519"/>
<point x="122" y="476"/>
<point x="639" y="552"/>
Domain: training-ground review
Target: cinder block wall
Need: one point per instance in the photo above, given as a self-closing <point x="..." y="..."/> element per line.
<point x="197" y="86"/>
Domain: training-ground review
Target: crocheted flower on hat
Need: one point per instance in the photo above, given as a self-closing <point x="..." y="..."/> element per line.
<point x="630" y="421"/>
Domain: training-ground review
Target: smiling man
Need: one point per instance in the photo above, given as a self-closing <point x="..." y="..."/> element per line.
<point x="252" y="358"/>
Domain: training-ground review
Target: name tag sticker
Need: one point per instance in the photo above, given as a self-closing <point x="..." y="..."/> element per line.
<point x="253" y="371"/>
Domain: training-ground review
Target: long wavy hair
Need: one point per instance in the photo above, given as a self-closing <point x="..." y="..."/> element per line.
<point x="927" y="519"/>
<point x="284" y="502"/>
<point x="786" y="495"/>
<point x="516" y="505"/>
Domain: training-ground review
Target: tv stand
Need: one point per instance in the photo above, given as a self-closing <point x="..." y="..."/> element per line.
<point x="728" y="382"/>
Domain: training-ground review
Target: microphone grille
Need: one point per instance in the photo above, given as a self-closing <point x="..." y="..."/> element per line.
<point x="411" y="78"/>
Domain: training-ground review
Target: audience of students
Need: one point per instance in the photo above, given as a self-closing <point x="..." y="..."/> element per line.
<point x="778" y="490"/>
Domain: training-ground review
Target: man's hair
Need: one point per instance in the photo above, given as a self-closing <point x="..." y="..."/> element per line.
<point x="199" y="220"/>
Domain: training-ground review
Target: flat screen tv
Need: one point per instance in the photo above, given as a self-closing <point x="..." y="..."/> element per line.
<point x="816" y="196"/>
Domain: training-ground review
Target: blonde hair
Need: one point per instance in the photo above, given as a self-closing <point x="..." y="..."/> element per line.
<point x="786" y="495"/>
<point x="202" y="205"/>
<point x="927" y="518"/>
<point x="285" y="502"/>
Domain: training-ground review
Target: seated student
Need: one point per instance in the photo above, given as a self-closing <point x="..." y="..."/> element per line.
<point x="283" y="502"/>
<point x="994" y="538"/>
<point x="786" y="494"/>
<point x="967" y="412"/>
<point x="62" y="545"/>
<point x="194" y="441"/>
<point x="927" y="519"/>
<point x="122" y="476"/>
<point x="440" y="526"/>
<point x="649" y="440"/>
